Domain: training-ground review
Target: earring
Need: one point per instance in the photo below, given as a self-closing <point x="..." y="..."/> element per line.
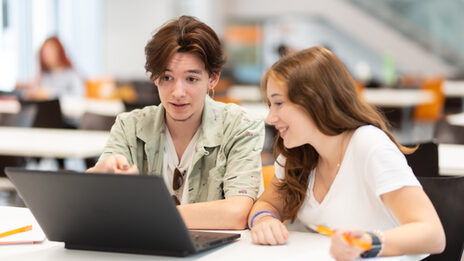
<point x="211" y="94"/>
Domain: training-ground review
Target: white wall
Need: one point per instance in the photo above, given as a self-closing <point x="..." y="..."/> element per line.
<point x="127" y="27"/>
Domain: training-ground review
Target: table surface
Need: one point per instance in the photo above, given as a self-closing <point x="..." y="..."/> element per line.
<point x="399" y="98"/>
<point x="450" y="159"/>
<point x="72" y="107"/>
<point x="9" y="105"/>
<point x="55" y="143"/>
<point x="453" y="89"/>
<point x="75" y="107"/>
<point x="300" y="246"/>
<point x="456" y="119"/>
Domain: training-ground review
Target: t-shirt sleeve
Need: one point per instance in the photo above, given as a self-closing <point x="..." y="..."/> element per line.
<point x="387" y="169"/>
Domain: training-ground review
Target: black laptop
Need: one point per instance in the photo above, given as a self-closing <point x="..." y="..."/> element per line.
<point x="108" y="212"/>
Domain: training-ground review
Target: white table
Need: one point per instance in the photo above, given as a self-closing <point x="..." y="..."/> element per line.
<point x="404" y="99"/>
<point x="454" y="89"/>
<point x="451" y="159"/>
<point x="75" y="107"/>
<point x="245" y="93"/>
<point x="256" y="109"/>
<point x="300" y="246"/>
<point x="9" y="105"/>
<point x="54" y="143"/>
<point x="456" y="119"/>
<point x="398" y="98"/>
<point x="72" y="107"/>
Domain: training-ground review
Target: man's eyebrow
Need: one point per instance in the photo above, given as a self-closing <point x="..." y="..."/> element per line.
<point x="194" y="71"/>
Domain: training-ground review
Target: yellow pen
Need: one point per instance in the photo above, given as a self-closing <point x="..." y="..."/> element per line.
<point x="352" y="240"/>
<point x="16" y="231"/>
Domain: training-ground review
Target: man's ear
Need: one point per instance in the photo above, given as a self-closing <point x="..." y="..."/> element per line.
<point x="214" y="79"/>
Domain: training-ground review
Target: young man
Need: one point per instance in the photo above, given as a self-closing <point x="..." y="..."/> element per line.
<point x="207" y="152"/>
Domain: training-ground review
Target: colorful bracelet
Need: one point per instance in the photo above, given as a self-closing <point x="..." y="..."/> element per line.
<point x="260" y="213"/>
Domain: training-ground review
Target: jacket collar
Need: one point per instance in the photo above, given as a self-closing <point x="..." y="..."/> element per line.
<point x="151" y="123"/>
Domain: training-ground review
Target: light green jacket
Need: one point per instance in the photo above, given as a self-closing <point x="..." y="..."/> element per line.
<point x="227" y="159"/>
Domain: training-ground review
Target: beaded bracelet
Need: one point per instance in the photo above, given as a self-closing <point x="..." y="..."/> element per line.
<point x="260" y="213"/>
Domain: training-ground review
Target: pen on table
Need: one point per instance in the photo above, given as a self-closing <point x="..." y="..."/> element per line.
<point x="329" y="232"/>
<point x="16" y="231"/>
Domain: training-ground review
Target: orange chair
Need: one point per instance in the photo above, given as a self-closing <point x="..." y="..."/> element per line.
<point x="100" y="87"/>
<point x="268" y="173"/>
<point x="431" y="112"/>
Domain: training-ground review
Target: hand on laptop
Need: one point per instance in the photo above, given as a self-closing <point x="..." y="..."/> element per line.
<point x="117" y="164"/>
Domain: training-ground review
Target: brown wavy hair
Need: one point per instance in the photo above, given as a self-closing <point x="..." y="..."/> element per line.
<point x="64" y="60"/>
<point x="186" y="34"/>
<point x="318" y="82"/>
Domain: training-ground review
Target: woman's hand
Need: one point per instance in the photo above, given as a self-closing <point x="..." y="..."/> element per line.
<point x="269" y="231"/>
<point x="117" y="164"/>
<point x="341" y="250"/>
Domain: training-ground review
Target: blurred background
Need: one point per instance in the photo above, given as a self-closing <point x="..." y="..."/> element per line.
<point x="377" y="40"/>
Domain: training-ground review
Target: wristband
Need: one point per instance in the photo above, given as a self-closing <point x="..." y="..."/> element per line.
<point x="260" y="213"/>
<point x="377" y="246"/>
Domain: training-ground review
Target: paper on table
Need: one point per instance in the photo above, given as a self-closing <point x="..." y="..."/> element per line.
<point x="19" y="218"/>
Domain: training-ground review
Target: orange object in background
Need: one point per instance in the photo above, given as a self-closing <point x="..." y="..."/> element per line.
<point x="268" y="173"/>
<point x="431" y="112"/>
<point x="100" y="88"/>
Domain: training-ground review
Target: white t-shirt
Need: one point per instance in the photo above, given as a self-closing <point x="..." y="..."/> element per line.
<point x="372" y="166"/>
<point x="171" y="161"/>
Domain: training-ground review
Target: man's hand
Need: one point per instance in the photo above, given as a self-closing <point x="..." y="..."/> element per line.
<point x="116" y="164"/>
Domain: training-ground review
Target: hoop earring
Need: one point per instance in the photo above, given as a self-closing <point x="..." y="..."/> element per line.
<point x="212" y="93"/>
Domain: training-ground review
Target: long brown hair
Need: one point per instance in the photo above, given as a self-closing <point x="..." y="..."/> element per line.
<point x="64" y="60"/>
<point x="318" y="81"/>
<point x="185" y="34"/>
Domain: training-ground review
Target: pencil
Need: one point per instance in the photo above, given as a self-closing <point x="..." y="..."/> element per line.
<point x="16" y="231"/>
<point x="352" y="240"/>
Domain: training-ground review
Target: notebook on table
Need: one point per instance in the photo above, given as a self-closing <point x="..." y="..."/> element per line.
<point x="108" y="212"/>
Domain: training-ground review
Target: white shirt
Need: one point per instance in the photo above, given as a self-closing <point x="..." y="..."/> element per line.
<point x="63" y="83"/>
<point x="372" y="166"/>
<point x="171" y="161"/>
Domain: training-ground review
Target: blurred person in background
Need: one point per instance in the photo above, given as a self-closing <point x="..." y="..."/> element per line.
<point x="56" y="77"/>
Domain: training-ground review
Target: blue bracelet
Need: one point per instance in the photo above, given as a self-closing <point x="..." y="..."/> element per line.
<point x="259" y="213"/>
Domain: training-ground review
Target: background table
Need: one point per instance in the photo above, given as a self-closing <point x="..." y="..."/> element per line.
<point x="75" y="107"/>
<point x="454" y="89"/>
<point x="55" y="143"/>
<point x="456" y="119"/>
<point x="399" y="98"/>
<point x="451" y="159"/>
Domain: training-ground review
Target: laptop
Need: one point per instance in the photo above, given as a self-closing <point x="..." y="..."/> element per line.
<point x="108" y="212"/>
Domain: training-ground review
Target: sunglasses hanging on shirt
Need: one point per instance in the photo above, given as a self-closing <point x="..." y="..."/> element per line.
<point x="177" y="182"/>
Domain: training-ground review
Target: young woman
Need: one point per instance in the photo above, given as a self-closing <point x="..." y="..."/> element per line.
<point x="338" y="166"/>
<point x="56" y="77"/>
